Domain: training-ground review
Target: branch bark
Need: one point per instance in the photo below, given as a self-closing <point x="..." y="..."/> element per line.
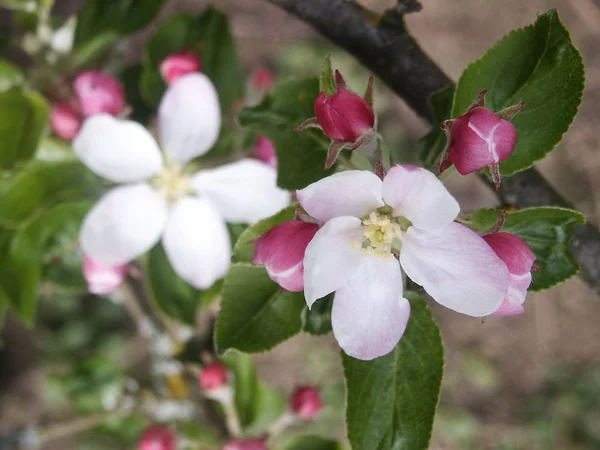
<point x="383" y="45"/>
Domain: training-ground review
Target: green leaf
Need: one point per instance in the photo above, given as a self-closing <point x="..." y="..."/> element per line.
<point x="326" y="79"/>
<point x="198" y="433"/>
<point x="19" y="283"/>
<point x="317" y="320"/>
<point x="301" y="156"/>
<point x="94" y="48"/>
<point x="392" y="400"/>
<point x="547" y="231"/>
<point x="311" y="443"/>
<point x="10" y="76"/>
<point x="131" y="78"/>
<point x="172" y="295"/>
<point x="219" y="57"/>
<point x="433" y="143"/>
<point x="243" y="251"/>
<point x="537" y="64"/>
<point x="23" y="119"/>
<point x="257" y="405"/>
<point x="43" y="184"/>
<point x="140" y="14"/>
<point x="256" y="314"/>
<point x="50" y="240"/>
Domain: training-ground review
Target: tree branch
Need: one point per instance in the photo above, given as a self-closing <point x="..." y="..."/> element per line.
<point x="383" y="45"/>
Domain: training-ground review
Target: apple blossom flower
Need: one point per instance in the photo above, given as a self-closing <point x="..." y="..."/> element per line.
<point x="264" y="151"/>
<point x="176" y="65"/>
<point x="306" y="402"/>
<point x="372" y="229"/>
<point x="213" y="376"/>
<point x="347" y="119"/>
<point x="157" y="438"/>
<point x="281" y="251"/>
<point x="65" y="120"/>
<point x="157" y="199"/>
<point x="246" y="444"/>
<point x="519" y="260"/>
<point x="101" y="278"/>
<point x="99" y="92"/>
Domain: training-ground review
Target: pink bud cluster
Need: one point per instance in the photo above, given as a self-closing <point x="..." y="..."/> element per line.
<point x="95" y="92"/>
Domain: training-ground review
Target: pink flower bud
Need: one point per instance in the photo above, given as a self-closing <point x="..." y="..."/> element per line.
<point x="306" y="402"/>
<point x="344" y="116"/>
<point x="65" y="120"/>
<point x="179" y="64"/>
<point x="479" y="139"/>
<point x="265" y="151"/>
<point x="98" y="93"/>
<point x="281" y="250"/>
<point x="248" y="444"/>
<point x="519" y="259"/>
<point x="157" y="438"/>
<point x="213" y="376"/>
<point x="102" y="279"/>
<point x="263" y="79"/>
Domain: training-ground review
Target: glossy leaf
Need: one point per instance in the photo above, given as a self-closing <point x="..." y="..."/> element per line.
<point x="43" y="184"/>
<point x="10" y="76"/>
<point x="537" y="64"/>
<point x="547" y="231"/>
<point x="433" y="143"/>
<point x="256" y="314"/>
<point x="301" y="155"/>
<point x="392" y="400"/>
<point x="311" y="443"/>
<point x="23" y="119"/>
<point x="243" y="251"/>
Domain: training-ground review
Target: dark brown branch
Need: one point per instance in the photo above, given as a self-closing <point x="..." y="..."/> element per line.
<point x="383" y="45"/>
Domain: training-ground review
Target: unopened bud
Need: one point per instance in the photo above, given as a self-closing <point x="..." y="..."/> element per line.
<point x="265" y="151"/>
<point x="281" y="250"/>
<point x="65" y="120"/>
<point x="157" y="438"/>
<point x="177" y="65"/>
<point x="213" y="376"/>
<point x="519" y="259"/>
<point x="263" y="79"/>
<point x="306" y="402"/>
<point x="248" y="444"/>
<point x="101" y="278"/>
<point x="99" y="92"/>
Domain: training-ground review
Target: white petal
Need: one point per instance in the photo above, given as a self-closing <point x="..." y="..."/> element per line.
<point x="369" y="314"/>
<point x="418" y="195"/>
<point x="125" y="223"/>
<point x="243" y="191"/>
<point x="189" y="117"/>
<point x="331" y="258"/>
<point x="353" y="193"/>
<point x="197" y="242"/>
<point x="119" y="150"/>
<point x="456" y="267"/>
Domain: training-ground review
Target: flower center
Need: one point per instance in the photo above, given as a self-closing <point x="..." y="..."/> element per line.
<point x="172" y="184"/>
<point x="382" y="234"/>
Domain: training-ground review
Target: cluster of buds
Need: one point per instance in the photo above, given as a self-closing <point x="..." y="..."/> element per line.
<point x="95" y="93"/>
<point x="345" y="117"/>
<point x="177" y="65"/>
<point x="480" y="138"/>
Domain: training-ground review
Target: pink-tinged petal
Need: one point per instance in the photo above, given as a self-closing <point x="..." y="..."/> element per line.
<point x="353" y="193"/>
<point x="509" y="307"/>
<point x="332" y="257"/>
<point x="265" y="151"/>
<point x="418" y="195"/>
<point x="456" y="267"/>
<point x="102" y="278"/>
<point x="281" y="250"/>
<point x="118" y="150"/>
<point x="65" y="120"/>
<point x="125" y="223"/>
<point x="369" y="314"/>
<point x="244" y="191"/>
<point x="98" y="93"/>
<point x="177" y="65"/>
<point x="197" y="242"/>
<point x="189" y="117"/>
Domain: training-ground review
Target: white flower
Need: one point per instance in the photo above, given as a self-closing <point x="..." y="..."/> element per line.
<point x="369" y="223"/>
<point x="157" y="200"/>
